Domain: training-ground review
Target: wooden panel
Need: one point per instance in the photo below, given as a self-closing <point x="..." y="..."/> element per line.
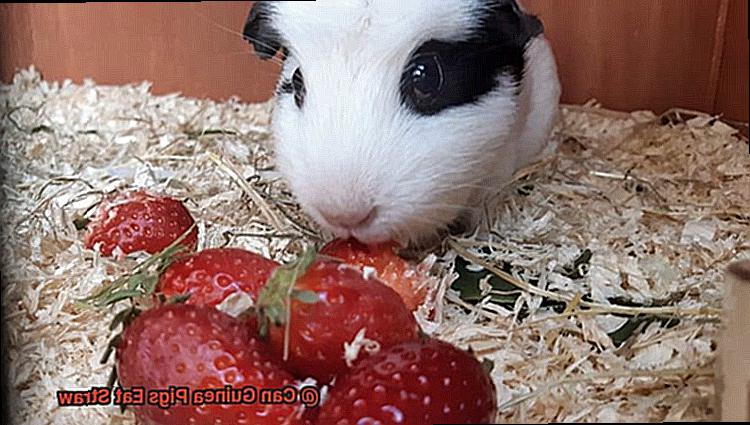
<point x="732" y="96"/>
<point x="180" y="47"/>
<point x="629" y="54"/>
<point x="633" y="54"/>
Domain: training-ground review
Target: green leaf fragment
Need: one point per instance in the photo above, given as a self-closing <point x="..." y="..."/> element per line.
<point x="488" y="365"/>
<point x="633" y="324"/>
<point x="80" y="223"/>
<point x="467" y="284"/>
<point x="574" y="271"/>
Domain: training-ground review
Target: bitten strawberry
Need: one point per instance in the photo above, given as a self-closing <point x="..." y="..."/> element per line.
<point x="418" y="382"/>
<point x="200" y="348"/>
<point x="213" y="274"/>
<point x="328" y="305"/>
<point x="137" y="221"/>
<point x="391" y="269"/>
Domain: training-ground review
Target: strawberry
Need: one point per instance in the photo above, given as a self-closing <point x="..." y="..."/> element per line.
<point x="213" y="274"/>
<point x="200" y="348"/>
<point x="391" y="269"/>
<point x="417" y="382"/>
<point x="313" y="316"/>
<point x="137" y="221"/>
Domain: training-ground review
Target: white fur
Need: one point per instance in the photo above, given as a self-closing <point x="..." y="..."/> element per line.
<point x="353" y="146"/>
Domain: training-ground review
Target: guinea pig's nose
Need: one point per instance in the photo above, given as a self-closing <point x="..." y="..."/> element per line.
<point x="349" y="219"/>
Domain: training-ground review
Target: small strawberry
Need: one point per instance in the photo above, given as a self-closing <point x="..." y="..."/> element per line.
<point x="137" y="221"/>
<point x="213" y="274"/>
<point x="417" y="382"/>
<point x="200" y="348"/>
<point x="391" y="269"/>
<point x="316" y="307"/>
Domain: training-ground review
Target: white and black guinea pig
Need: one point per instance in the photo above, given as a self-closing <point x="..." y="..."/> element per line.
<point x="395" y="119"/>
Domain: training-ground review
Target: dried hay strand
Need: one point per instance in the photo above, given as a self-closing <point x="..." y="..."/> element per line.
<point x="594" y="284"/>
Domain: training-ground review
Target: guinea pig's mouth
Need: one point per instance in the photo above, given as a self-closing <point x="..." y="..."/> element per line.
<point x="365" y="228"/>
<point x="370" y="235"/>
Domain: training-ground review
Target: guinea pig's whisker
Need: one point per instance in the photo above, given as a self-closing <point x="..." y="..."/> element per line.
<point x="470" y="184"/>
<point x="448" y="187"/>
<point x="258" y="71"/>
<point x="235" y="32"/>
<point x="430" y="222"/>
<point x="465" y="166"/>
<point x="272" y="59"/>
<point x="227" y="54"/>
<point x="432" y="205"/>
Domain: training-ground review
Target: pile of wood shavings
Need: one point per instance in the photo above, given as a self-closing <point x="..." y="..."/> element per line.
<point x="661" y="204"/>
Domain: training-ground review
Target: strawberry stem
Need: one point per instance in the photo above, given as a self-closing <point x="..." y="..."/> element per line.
<point x="111" y="346"/>
<point x="125" y="316"/>
<point x="81" y="222"/>
<point x="274" y="299"/>
<point x="112" y="378"/>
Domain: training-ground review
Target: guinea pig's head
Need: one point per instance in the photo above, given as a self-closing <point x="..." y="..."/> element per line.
<point x="389" y="113"/>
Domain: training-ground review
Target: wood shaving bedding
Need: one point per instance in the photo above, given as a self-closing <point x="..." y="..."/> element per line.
<point x="612" y="250"/>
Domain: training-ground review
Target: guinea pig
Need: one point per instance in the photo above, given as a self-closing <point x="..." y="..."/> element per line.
<point x="395" y="119"/>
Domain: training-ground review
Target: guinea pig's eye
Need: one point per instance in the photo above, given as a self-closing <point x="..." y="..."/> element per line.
<point x="422" y="81"/>
<point x="298" y="84"/>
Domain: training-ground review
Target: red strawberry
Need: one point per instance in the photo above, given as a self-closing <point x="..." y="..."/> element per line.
<point x="137" y="221"/>
<point x="212" y="274"/>
<point x="200" y="348"/>
<point x="330" y="304"/>
<point x="391" y="269"/>
<point x="417" y="382"/>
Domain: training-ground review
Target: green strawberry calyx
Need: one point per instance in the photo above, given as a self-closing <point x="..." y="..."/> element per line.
<point x="142" y="280"/>
<point x="273" y="305"/>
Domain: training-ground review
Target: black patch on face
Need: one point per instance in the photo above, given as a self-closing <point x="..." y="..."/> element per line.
<point x="442" y="74"/>
<point x="294" y="85"/>
<point x="285" y="87"/>
<point x="298" y="87"/>
<point x="260" y="33"/>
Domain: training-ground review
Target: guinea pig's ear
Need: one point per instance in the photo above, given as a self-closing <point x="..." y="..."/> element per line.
<point x="511" y="22"/>
<point x="260" y="33"/>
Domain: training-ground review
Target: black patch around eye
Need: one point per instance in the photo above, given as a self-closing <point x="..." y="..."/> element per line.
<point x="469" y="69"/>
<point x="285" y="87"/>
<point x="294" y="85"/>
<point x="298" y="87"/>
